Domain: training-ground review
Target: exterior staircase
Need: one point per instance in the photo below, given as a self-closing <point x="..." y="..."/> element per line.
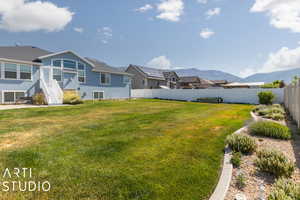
<point x="50" y="87"/>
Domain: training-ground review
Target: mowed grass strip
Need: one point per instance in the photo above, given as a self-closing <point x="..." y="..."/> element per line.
<point x="139" y="149"/>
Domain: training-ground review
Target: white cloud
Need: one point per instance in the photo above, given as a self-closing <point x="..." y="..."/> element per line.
<point x="160" y="62"/>
<point x="213" y="12"/>
<point x="202" y="1"/>
<point x="170" y="10"/>
<point x="144" y="8"/>
<point x="247" y="72"/>
<point x="78" y="29"/>
<point x="106" y="34"/>
<point x="206" y="33"/>
<point x="284" y="14"/>
<point x="25" y="16"/>
<point x="283" y="59"/>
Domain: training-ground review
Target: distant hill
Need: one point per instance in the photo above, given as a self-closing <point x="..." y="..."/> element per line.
<point x="208" y="74"/>
<point x="286" y="76"/>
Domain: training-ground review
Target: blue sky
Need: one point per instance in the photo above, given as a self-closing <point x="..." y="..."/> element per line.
<point x="235" y="36"/>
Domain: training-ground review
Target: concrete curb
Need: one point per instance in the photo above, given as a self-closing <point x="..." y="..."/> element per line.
<point x="259" y="118"/>
<point x="226" y="175"/>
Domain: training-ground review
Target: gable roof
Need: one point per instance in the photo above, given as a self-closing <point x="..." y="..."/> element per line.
<point x="100" y="66"/>
<point x="195" y="79"/>
<point x="189" y="79"/>
<point x="67" y="51"/>
<point x="153" y="73"/>
<point x="22" y="53"/>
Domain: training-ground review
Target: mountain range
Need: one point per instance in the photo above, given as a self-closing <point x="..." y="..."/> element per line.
<point x="286" y="76"/>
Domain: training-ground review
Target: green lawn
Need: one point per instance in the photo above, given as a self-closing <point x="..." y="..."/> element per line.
<point x="139" y="149"/>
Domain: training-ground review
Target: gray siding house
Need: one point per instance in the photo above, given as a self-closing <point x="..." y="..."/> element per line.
<point x="27" y="70"/>
<point x="150" y="78"/>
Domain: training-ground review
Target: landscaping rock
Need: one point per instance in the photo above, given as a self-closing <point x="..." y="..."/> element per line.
<point x="240" y="196"/>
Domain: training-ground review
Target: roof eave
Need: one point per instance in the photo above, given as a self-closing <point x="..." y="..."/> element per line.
<point x="20" y="61"/>
<point x="103" y="71"/>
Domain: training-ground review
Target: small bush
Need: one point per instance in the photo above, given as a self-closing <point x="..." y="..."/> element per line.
<point x="71" y="97"/>
<point x="275" y="112"/>
<point x="270" y="129"/>
<point x="275" y="163"/>
<point x="241" y="143"/>
<point x="266" y="97"/>
<point x="285" y="189"/>
<point x="275" y="116"/>
<point x="241" y="181"/>
<point x="236" y="159"/>
<point x="39" y="99"/>
<point x="259" y="107"/>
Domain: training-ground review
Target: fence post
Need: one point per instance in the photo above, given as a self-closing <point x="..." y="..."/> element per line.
<point x="298" y="102"/>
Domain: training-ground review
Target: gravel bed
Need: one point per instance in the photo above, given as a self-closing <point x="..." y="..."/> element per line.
<point x="255" y="179"/>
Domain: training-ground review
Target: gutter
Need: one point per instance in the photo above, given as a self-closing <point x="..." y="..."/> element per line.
<point x="20" y="61"/>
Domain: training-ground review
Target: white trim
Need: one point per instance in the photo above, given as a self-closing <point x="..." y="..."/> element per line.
<point x="109" y="83"/>
<point x="98" y="91"/>
<point x="67" y="51"/>
<point x="3" y="91"/>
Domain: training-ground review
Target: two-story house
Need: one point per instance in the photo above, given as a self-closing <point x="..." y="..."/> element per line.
<point x="151" y="78"/>
<point x="27" y="70"/>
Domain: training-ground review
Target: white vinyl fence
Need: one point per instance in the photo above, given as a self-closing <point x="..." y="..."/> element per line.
<point x="292" y="101"/>
<point x="242" y="95"/>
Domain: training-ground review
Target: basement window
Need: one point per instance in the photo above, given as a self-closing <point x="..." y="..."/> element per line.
<point x="98" y="95"/>
<point x="12" y="96"/>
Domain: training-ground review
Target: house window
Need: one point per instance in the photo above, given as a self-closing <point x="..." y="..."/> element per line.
<point x="126" y="79"/>
<point x="81" y="73"/>
<point x="12" y="97"/>
<point x="105" y="78"/>
<point x="98" y="95"/>
<point x="57" y="63"/>
<point x="10" y="71"/>
<point x="69" y="64"/>
<point x="57" y="74"/>
<point x="25" y="72"/>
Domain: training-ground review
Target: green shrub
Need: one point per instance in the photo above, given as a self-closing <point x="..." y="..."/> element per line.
<point x="236" y="159"/>
<point x="241" y="143"/>
<point x="275" y="163"/>
<point x="259" y="107"/>
<point x="270" y="129"/>
<point x="241" y="181"/>
<point x="275" y="112"/>
<point x="275" y="116"/>
<point x="39" y="99"/>
<point x="285" y="189"/>
<point x="266" y="97"/>
<point x="71" y="97"/>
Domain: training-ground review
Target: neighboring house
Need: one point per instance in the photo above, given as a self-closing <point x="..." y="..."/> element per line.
<point x="194" y="82"/>
<point x="150" y="78"/>
<point x="244" y="85"/>
<point x="27" y="70"/>
<point x="220" y="83"/>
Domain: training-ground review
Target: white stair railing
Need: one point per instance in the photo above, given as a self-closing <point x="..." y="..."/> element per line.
<point x="45" y="90"/>
<point x="50" y="87"/>
<point x="58" y="93"/>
